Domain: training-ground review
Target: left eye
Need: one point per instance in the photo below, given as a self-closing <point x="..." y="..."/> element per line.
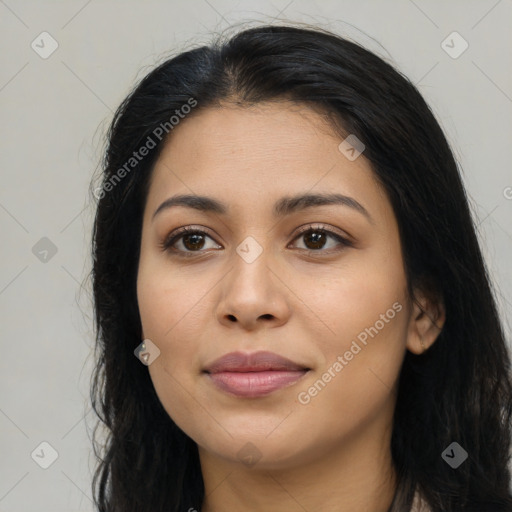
<point x="317" y="238"/>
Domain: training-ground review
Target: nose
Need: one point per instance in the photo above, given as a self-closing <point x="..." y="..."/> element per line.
<point x="253" y="296"/>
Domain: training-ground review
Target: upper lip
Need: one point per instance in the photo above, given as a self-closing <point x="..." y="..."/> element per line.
<point x="253" y="362"/>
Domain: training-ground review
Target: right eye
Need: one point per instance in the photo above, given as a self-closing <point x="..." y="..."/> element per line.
<point x="186" y="241"/>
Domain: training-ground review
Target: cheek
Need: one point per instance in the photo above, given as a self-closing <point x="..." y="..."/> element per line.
<point x="366" y="299"/>
<point x="175" y="391"/>
<point x="169" y="298"/>
<point x="367" y="314"/>
<point x="174" y="373"/>
<point x="170" y="312"/>
<point x="354" y="386"/>
<point x="168" y="319"/>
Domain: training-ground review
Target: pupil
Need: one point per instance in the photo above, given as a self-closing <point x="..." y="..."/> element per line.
<point x="197" y="239"/>
<point x="318" y="239"/>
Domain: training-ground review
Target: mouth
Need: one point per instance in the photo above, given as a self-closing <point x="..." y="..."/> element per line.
<point x="254" y="375"/>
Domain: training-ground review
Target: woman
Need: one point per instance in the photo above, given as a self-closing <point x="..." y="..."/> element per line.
<point x="283" y="240"/>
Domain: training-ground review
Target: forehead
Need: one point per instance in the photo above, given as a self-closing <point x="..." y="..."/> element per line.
<point x="247" y="155"/>
<point x="287" y="129"/>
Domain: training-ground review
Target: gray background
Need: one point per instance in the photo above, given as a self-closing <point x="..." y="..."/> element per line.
<point x="54" y="115"/>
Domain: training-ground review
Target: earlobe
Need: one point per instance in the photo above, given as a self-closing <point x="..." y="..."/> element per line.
<point x="427" y="320"/>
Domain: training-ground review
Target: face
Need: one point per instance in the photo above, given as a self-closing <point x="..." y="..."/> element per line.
<point x="321" y="284"/>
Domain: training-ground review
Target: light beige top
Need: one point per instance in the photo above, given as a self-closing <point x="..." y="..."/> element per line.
<point x="419" y="505"/>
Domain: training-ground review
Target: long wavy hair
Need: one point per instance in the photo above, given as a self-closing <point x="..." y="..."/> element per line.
<point x="458" y="390"/>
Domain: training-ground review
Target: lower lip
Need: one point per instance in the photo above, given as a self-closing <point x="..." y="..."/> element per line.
<point x="254" y="384"/>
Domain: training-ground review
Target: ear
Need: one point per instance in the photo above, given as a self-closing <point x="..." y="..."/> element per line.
<point x="427" y="319"/>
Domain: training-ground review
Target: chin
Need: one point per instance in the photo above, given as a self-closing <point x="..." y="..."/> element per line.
<point x="258" y="452"/>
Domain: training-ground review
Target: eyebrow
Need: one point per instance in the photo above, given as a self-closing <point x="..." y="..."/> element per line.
<point x="284" y="206"/>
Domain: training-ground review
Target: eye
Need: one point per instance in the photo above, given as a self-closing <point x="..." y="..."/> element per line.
<point x="315" y="239"/>
<point x="187" y="240"/>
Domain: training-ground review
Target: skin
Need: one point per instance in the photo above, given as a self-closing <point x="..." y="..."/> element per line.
<point x="332" y="453"/>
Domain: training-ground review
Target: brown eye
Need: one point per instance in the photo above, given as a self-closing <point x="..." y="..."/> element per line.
<point x="316" y="239"/>
<point x="188" y="240"/>
<point x="193" y="241"/>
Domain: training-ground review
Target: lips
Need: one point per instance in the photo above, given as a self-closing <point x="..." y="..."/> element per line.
<point x="255" y="362"/>
<point x="253" y="375"/>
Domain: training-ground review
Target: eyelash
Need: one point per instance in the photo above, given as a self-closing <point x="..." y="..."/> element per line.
<point x="169" y="241"/>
